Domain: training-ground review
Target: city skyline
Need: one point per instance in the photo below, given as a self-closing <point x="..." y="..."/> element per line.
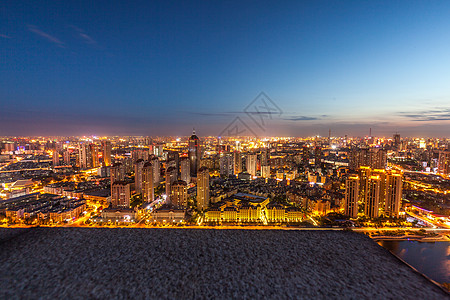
<point x="163" y="68"/>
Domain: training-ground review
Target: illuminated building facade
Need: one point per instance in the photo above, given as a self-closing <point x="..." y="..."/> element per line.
<point x="120" y="194"/>
<point x="203" y="189"/>
<point x="106" y="153"/>
<point x="394" y="189"/>
<point x="372" y="197"/>
<point x="194" y="154"/>
<point x="185" y="170"/>
<point x="138" y="166"/>
<point x="351" y="196"/>
<point x="237" y="160"/>
<point x="251" y="164"/>
<point x="178" y="194"/>
<point x="147" y="182"/>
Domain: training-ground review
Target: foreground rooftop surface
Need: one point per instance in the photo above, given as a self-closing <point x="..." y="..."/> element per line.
<point x="201" y="263"/>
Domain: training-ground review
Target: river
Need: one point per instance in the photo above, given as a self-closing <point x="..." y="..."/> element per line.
<point x="431" y="259"/>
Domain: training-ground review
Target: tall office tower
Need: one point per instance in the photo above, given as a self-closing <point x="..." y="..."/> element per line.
<point x="372" y="197"/>
<point x="377" y="158"/>
<point x="156" y="170"/>
<point x="251" y="164"/>
<point x="194" y="154"/>
<point x="444" y="162"/>
<point x="317" y="155"/>
<point x="351" y="197"/>
<point x="237" y="159"/>
<point x="394" y="189"/>
<point x="158" y="150"/>
<point x="171" y="177"/>
<point x="171" y="163"/>
<point x="203" y="188"/>
<point x="147" y="182"/>
<point x="106" y="153"/>
<point x="226" y="165"/>
<point x="117" y="172"/>
<point x="396" y="143"/>
<point x="138" y="166"/>
<point x="94" y="153"/>
<point x="120" y="194"/>
<point x="265" y="171"/>
<point x="66" y="157"/>
<point x="185" y="170"/>
<point x="55" y="158"/>
<point x="85" y="156"/>
<point x="178" y="194"/>
<point x="305" y="155"/>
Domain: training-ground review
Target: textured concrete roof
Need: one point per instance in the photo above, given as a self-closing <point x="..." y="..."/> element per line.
<point x="80" y="263"/>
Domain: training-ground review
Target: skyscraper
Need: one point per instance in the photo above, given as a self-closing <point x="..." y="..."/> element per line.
<point x="171" y="177"/>
<point x="138" y="166"/>
<point x="444" y="162"/>
<point x="394" y="190"/>
<point x="372" y="197"/>
<point x="237" y="159"/>
<point x="120" y="194"/>
<point x="351" y="197"/>
<point x="194" y="154"/>
<point x="185" y="170"/>
<point x="84" y="156"/>
<point x="117" y="173"/>
<point x="203" y="188"/>
<point x="66" y="157"/>
<point x="94" y="153"/>
<point x="156" y="170"/>
<point x="55" y="158"/>
<point x="226" y="165"/>
<point x="396" y="143"/>
<point x="106" y="153"/>
<point x="178" y="194"/>
<point x="147" y="182"/>
<point x="251" y="164"/>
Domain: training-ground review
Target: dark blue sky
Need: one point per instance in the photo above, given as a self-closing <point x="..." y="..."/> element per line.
<point x="157" y="68"/>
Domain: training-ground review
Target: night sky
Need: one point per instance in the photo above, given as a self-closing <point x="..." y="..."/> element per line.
<point x="162" y="67"/>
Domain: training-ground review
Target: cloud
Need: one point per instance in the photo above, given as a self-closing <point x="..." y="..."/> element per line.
<point x="4" y="36"/>
<point x="86" y="38"/>
<point x="301" y="118"/>
<point x="437" y="114"/>
<point x="46" y="36"/>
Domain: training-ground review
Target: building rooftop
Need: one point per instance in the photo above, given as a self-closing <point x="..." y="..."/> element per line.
<point x="202" y="264"/>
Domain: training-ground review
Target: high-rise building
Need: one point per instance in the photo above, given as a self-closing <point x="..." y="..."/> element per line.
<point x="120" y="194"/>
<point x="117" y="173"/>
<point x="237" y="159"/>
<point x="84" y="156"/>
<point x="265" y="157"/>
<point x="378" y="158"/>
<point x="305" y="155"/>
<point x="351" y="196"/>
<point x="138" y="166"/>
<point x="147" y="182"/>
<point x="171" y="177"/>
<point x="106" y="153"/>
<point x="394" y="189"/>
<point x="203" y="188"/>
<point x="251" y="164"/>
<point x="156" y="170"/>
<point x="372" y="197"/>
<point x="265" y="171"/>
<point x="94" y="153"/>
<point x="226" y="165"/>
<point x="178" y="194"/>
<point x="66" y="157"/>
<point x="55" y="158"/>
<point x="140" y="153"/>
<point x="444" y="162"/>
<point x="317" y="155"/>
<point x="396" y="143"/>
<point x="185" y="170"/>
<point x="194" y="154"/>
